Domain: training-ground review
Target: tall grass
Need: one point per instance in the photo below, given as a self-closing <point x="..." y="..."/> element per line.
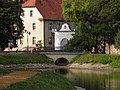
<point x="5" y="71"/>
<point x="113" y="60"/>
<point x="23" y="59"/>
<point x="43" y="81"/>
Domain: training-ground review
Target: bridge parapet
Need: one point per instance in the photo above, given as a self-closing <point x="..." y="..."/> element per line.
<point x="56" y="55"/>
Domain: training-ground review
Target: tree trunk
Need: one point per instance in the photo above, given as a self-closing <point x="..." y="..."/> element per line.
<point x="104" y="45"/>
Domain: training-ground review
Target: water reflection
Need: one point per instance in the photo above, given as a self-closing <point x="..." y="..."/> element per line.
<point x="95" y="80"/>
<point x="62" y="71"/>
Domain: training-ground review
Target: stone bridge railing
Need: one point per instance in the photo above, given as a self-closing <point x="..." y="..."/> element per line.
<point x="56" y="55"/>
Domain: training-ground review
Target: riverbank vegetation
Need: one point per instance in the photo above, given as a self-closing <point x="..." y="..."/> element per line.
<point x="43" y="81"/>
<point x="5" y="71"/>
<point x="6" y="59"/>
<point x="113" y="60"/>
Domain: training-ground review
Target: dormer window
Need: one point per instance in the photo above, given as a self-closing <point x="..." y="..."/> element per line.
<point x="31" y="13"/>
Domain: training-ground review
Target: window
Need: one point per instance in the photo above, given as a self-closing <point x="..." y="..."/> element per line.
<point x="50" y="40"/>
<point x="34" y="40"/>
<point x="31" y="13"/>
<point x="34" y="26"/>
<point x="58" y="26"/>
<point x="21" y="41"/>
<point x="50" y="26"/>
<point x="22" y="14"/>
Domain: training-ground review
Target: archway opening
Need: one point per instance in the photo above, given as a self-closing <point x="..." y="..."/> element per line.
<point x="64" y="41"/>
<point x="61" y="62"/>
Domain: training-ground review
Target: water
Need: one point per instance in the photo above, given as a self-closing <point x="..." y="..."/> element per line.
<point x="90" y="80"/>
<point x="93" y="80"/>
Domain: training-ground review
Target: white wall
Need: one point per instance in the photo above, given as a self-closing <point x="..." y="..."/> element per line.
<point x="28" y="21"/>
<point x="64" y="32"/>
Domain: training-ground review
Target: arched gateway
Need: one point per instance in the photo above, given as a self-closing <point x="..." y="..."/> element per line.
<point x="62" y="36"/>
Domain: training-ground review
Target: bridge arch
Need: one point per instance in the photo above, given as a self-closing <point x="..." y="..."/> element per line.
<point x="62" y="61"/>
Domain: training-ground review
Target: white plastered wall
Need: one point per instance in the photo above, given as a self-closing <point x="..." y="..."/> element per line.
<point x="28" y="22"/>
<point x="64" y="33"/>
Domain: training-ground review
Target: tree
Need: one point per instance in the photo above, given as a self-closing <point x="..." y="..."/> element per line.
<point x="99" y="20"/>
<point x="11" y="26"/>
<point x="117" y="40"/>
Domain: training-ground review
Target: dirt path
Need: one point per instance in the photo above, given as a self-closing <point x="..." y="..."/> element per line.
<point x="14" y="77"/>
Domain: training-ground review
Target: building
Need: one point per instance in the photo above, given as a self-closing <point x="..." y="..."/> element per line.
<point x="43" y="20"/>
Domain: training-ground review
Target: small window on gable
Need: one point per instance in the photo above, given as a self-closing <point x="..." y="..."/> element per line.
<point x="34" y="40"/>
<point x="34" y="26"/>
<point x="50" y="26"/>
<point x="31" y="13"/>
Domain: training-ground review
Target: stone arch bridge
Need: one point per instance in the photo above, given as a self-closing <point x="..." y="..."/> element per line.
<point x="61" y="57"/>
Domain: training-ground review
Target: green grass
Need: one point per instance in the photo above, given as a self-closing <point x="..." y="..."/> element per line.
<point x="43" y="81"/>
<point x="24" y="59"/>
<point x="113" y="60"/>
<point x="5" y="71"/>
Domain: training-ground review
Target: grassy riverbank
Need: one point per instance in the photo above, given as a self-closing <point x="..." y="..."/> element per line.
<point x="113" y="60"/>
<point x="7" y="59"/>
<point x="5" y="71"/>
<point x="43" y="81"/>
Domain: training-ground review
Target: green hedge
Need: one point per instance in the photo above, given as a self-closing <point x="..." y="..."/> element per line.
<point x="23" y="59"/>
<point x="43" y="81"/>
<point x="113" y="60"/>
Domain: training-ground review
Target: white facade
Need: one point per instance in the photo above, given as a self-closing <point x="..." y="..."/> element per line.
<point x="62" y="36"/>
<point x="34" y="26"/>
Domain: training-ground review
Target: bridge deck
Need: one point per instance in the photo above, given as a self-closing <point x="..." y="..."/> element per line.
<point x="62" y="53"/>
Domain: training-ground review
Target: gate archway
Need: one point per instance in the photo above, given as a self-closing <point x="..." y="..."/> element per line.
<point x="64" y="41"/>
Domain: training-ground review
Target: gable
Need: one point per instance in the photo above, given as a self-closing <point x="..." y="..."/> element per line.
<point x="65" y="28"/>
<point x="49" y="9"/>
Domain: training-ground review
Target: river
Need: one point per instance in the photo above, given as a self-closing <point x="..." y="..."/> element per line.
<point x="92" y="80"/>
<point x="88" y="79"/>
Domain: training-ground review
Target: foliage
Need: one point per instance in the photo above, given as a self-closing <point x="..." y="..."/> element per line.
<point x="24" y="59"/>
<point x="39" y="44"/>
<point x="113" y="60"/>
<point x="93" y="25"/>
<point x="43" y="81"/>
<point x="117" y="40"/>
<point x="5" y="71"/>
<point x="11" y="26"/>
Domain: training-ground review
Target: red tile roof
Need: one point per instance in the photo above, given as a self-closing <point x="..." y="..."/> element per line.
<point x="50" y="9"/>
<point x="29" y="3"/>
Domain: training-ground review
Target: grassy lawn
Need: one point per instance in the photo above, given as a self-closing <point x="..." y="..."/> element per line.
<point x="5" y="71"/>
<point x="43" y="81"/>
<point x="113" y="60"/>
<point x="6" y="59"/>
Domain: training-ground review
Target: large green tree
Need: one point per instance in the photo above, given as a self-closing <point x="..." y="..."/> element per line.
<point x="11" y="26"/>
<point x="98" y="22"/>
